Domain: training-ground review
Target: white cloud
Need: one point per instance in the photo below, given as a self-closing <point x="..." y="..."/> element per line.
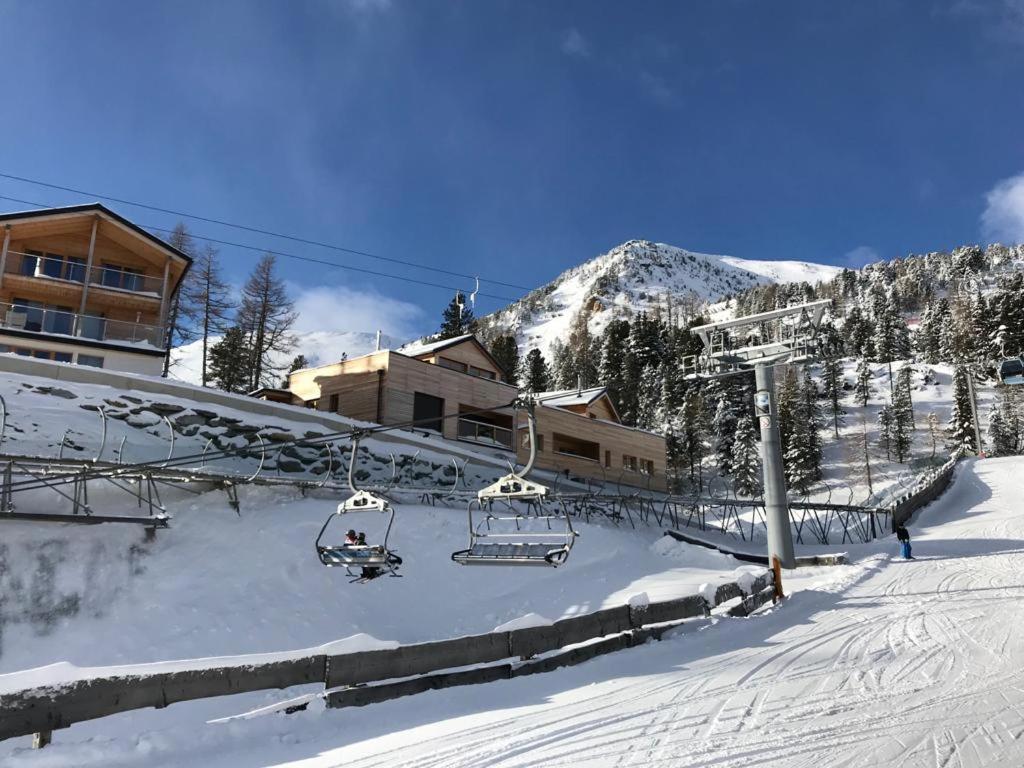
<point x="368" y="5"/>
<point x="575" y="44"/>
<point x="657" y="89"/>
<point x="338" y="308"/>
<point x="1003" y="218"/>
<point x="861" y="255"/>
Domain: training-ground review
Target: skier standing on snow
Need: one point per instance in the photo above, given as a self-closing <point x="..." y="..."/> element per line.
<point x="903" y="535"/>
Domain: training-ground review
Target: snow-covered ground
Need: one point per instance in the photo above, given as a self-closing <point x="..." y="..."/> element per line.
<point x="883" y="663"/>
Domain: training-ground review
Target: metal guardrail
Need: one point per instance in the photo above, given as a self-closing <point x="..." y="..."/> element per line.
<point x="41" y="710"/>
<point x="72" y="269"/>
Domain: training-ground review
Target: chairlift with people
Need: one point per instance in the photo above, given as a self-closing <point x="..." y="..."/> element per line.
<point x="371" y="560"/>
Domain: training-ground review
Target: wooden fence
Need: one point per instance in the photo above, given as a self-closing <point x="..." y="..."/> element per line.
<point x="364" y="677"/>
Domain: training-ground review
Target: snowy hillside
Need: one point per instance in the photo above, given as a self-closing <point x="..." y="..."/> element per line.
<point x="319" y="347"/>
<point x="636" y="276"/>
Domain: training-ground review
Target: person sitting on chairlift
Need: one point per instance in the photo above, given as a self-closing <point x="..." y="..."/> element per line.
<point x="368" y="572"/>
<point x="350" y="538"/>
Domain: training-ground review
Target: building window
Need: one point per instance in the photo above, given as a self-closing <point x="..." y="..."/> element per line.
<point x="524" y="440"/>
<point x="608" y="459"/>
<point x="427" y="411"/>
<point x="334" y="403"/>
<point x="62" y="357"/>
<point x="30" y="262"/>
<point x="482" y="373"/>
<point x="574" y="446"/>
<point x="629" y="463"/>
<point x="454" y="365"/>
<point x="93" y="361"/>
<point x="116" y="276"/>
<point x="646" y="467"/>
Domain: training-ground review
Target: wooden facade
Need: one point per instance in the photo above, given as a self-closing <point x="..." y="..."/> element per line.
<point x="455" y="389"/>
<point x="82" y="284"/>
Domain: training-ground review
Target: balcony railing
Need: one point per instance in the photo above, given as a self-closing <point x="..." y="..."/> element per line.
<point x="484" y="433"/>
<point x="72" y="269"/>
<point x="20" y="317"/>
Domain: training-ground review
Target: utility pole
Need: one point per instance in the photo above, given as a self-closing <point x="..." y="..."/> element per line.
<point x="776" y="506"/>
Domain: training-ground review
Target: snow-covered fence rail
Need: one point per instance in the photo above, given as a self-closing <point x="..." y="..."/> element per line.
<point x="925" y="491"/>
<point x="29" y="705"/>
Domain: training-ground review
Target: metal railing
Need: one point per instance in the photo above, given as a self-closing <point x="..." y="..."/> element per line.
<point x="485" y="434"/>
<point x="22" y="317"/>
<point x="72" y="269"/>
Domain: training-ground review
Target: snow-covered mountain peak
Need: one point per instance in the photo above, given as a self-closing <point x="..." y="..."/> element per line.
<point x="638" y="275"/>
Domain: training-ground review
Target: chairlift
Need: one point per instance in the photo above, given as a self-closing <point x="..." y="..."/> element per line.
<point x="512" y="538"/>
<point x="1011" y="371"/>
<point x="371" y="560"/>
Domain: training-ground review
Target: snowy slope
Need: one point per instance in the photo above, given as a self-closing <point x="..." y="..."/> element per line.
<point x="786" y="271"/>
<point x="887" y="663"/>
<point x="319" y="347"/>
<point x="635" y="276"/>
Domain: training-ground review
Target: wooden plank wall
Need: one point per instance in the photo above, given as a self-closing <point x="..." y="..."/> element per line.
<point x="618" y="439"/>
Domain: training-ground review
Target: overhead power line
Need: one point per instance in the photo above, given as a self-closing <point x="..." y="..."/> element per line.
<point x="258" y="231"/>
<point x="287" y="255"/>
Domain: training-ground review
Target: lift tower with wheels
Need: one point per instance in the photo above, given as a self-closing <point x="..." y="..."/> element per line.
<point x="760" y="342"/>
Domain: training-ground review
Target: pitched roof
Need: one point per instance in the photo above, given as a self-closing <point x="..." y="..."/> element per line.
<point x="419" y="348"/>
<point x="561" y="398"/>
<point x="101" y="209"/>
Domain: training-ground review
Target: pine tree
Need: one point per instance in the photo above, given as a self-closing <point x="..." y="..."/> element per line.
<point x="723" y="428"/>
<point x="614" y="346"/>
<point x="648" y="397"/>
<point x="534" y="375"/>
<point x="832" y="379"/>
<point x="961" y="425"/>
<point x="693" y="436"/>
<point x="457" y="318"/>
<point x="209" y="302"/>
<point x="266" y="315"/>
<point x="181" y="312"/>
<point x="746" y="462"/>
<point x="230" y="360"/>
<point x="862" y="389"/>
<point x="505" y="350"/>
<point x="902" y="425"/>
<point x="885" y="429"/>
<point x="802" y="456"/>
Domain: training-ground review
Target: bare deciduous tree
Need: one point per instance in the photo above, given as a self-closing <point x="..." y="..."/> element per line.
<point x="266" y="315"/>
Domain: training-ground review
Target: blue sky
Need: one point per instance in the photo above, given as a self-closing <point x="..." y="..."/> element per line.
<point x="516" y="139"/>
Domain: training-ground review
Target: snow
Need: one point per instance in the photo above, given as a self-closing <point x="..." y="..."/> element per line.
<point x="524" y="622"/>
<point x="563" y="398"/>
<point x="882" y="663"/>
<point x="416" y="348"/>
<point x="786" y="271"/>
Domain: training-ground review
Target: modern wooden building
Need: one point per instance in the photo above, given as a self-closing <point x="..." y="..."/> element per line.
<point x="81" y="284"/>
<point x="456" y="389"/>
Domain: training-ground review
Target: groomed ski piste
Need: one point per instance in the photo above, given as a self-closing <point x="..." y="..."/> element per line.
<point x="881" y="662"/>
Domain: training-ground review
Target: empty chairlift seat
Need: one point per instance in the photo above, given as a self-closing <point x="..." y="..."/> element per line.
<point x="515" y="539"/>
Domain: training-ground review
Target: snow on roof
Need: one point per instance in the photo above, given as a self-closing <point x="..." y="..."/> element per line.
<point x="416" y="348"/>
<point x="565" y="397"/>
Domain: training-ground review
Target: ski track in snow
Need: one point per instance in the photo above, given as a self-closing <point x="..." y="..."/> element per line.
<point x="894" y="663"/>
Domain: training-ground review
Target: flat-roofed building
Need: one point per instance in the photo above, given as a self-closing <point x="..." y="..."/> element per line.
<point x="82" y="284"/>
